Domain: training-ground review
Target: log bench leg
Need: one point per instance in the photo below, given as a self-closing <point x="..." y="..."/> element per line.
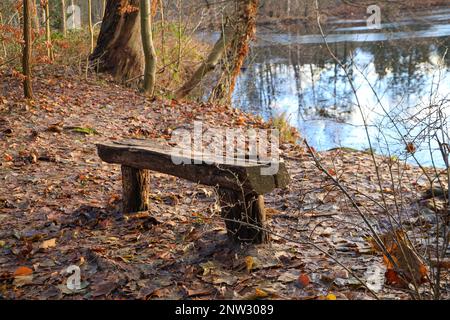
<point x="135" y="189"/>
<point x="248" y="209"/>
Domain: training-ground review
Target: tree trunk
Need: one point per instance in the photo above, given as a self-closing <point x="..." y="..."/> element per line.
<point x="242" y="214"/>
<point x="103" y="7"/>
<point x="119" y="46"/>
<point x="48" y="32"/>
<point x="163" y="33"/>
<point x="91" y="28"/>
<point x="64" y="19"/>
<point x="210" y="63"/>
<point x="135" y="189"/>
<point x="244" y="32"/>
<point x="37" y="25"/>
<point x="149" y="48"/>
<point x="26" y="54"/>
<point x="5" y="52"/>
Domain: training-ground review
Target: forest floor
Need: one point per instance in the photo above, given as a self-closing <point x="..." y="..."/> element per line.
<point x="60" y="205"/>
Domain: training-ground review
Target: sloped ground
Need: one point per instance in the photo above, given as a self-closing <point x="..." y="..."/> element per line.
<point x="60" y="206"/>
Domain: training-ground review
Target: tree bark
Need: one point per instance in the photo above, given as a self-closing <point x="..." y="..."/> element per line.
<point x="119" y="50"/>
<point x="208" y="65"/>
<point x="148" y="46"/>
<point x="119" y="47"/>
<point x="163" y="33"/>
<point x="37" y="25"/>
<point x="135" y="189"/>
<point x="244" y="31"/>
<point x="5" y="52"/>
<point x="26" y="54"/>
<point x="104" y="7"/>
<point x="64" y="19"/>
<point x="242" y="213"/>
<point x="91" y="28"/>
<point x="48" y="32"/>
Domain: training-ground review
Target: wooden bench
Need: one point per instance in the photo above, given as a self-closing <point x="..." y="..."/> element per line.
<point x="240" y="185"/>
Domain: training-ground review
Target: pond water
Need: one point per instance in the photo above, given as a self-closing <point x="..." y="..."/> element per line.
<point x="392" y="77"/>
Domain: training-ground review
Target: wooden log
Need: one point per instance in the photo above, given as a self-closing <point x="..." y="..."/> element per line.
<point x="242" y="212"/>
<point x="135" y="189"/>
<point x="243" y="174"/>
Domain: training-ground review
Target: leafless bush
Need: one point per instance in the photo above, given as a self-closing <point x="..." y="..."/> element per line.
<point x="417" y="253"/>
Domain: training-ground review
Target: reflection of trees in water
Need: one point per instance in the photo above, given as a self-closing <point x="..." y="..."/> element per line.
<point x="401" y="61"/>
<point x="321" y="87"/>
<point x="442" y="45"/>
<point x="265" y="81"/>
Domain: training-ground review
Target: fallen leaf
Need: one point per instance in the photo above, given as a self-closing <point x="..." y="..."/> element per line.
<point x="55" y="128"/>
<point x="289" y="276"/>
<point x="86" y="131"/>
<point x="392" y="278"/>
<point x="48" y="243"/>
<point x="303" y="280"/>
<point x="258" y="294"/>
<point x="20" y="281"/>
<point x="240" y="120"/>
<point x="23" y="271"/>
<point x="201" y="292"/>
<point x="8" y="157"/>
<point x="403" y="259"/>
<point x="224" y="277"/>
<point x="147" y="291"/>
<point x="207" y="267"/>
<point x="104" y="288"/>
<point x="330" y="296"/>
<point x="261" y="293"/>
<point x="249" y="262"/>
<point x="271" y="211"/>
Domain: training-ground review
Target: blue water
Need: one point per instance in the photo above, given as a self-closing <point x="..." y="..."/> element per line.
<point x="397" y="72"/>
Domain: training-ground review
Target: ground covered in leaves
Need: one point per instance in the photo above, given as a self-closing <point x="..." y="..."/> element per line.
<point x="60" y="205"/>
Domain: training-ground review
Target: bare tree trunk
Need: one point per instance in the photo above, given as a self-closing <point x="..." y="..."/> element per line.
<point x="104" y="7"/>
<point x="42" y="12"/>
<point x="91" y="28"/>
<point x="119" y="45"/>
<point x="244" y="32"/>
<point x="64" y="18"/>
<point x="37" y="25"/>
<point x="48" y="32"/>
<point x="5" y="52"/>
<point x="26" y="53"/>
<point x="180" y="32"/>
<point x="163" y="33"/>
<point x="149" y="49"/>
<point x="210" y="63"/>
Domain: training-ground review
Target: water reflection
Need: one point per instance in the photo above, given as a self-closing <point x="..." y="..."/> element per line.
<point x="394" y="74"/>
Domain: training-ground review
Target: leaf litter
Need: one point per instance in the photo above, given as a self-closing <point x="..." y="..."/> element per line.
<point x="61" y="206"/>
